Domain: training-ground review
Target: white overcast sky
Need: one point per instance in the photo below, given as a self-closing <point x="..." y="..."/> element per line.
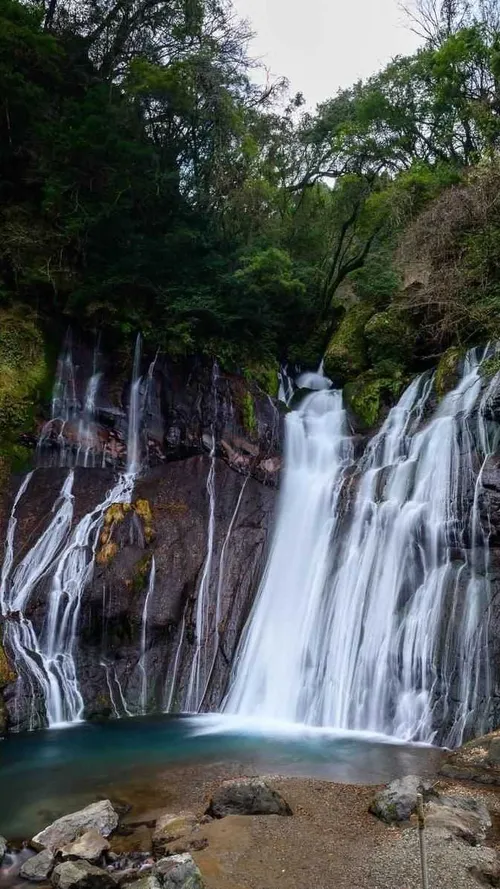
<point x="321" y="45"/>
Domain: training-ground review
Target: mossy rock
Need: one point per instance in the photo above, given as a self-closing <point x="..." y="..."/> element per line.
<point x="389" y="338"/>
<point x="490" y="367"/>
<point x="7" y="674"/>
<point x="24" y="375"/>
<point x="107" y="552"/>
<point x="447" y="372"/>
<point x="265" y="376"/>
<point x="116" y="513"/>
<point x="249" y="419"/>
<point x="346" y="355"/>
<point x="141" y="574"/>
<point x="370" y="393"/>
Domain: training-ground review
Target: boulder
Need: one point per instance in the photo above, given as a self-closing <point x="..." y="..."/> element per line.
<point x="149" y="881"/>
<point x="247" y="796"/>
<point x="172" y="827"/>
<point x="179" y="872"/>
<point x="80" y="875"/>
<point x="398" y="800"/>
<point x="3" y="848"/>
<point x="38" y="868"/>
<point x="100" y="817"/>
<point x="136" y="840"/>
<point x="478" y="760"/>
<point x="90" y="846"/>
<point x="465" y="818"/>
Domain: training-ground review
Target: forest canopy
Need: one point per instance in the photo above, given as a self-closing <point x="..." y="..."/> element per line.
<point x="147" y="182"/>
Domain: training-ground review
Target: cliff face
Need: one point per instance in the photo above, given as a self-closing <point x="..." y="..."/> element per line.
<point x="191" y="541"/>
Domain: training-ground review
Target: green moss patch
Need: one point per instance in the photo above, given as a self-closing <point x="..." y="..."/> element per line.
<point x="447" y="371"/>
<point x="371" y="391"/>
<point x="346" y="354"/>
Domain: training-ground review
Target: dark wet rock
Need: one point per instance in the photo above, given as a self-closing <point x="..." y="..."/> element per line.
<point x="179" y="872"/>
<point x="247" y="796"/>
<point x="398" y="800"/>
<point x="136" y="840"/>
<point x="99" y="817"/>
<point x="38" y="868"/>
<point x="80" y="875"/>
<point x="3" y="848"/>
<point x="90" y="846"/>
<point x="475" y="761"/>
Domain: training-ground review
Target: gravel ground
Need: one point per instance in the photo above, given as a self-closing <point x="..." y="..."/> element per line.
<point x="332" y="842"/>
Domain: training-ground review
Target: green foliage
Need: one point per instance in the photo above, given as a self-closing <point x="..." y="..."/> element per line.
<point x="23" y="377"/>
<point x="369" y="393"/>
<point x="447" y="371"/>
<point x="147" y="183"/>
<point x="265" y="376"/>
<point x="491" y="367"/>
<point x="346" y="354"/>
<point x="248" y="413"/>
<point x="389" y="337"/>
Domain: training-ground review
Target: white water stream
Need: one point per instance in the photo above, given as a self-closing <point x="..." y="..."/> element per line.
<point x="143" y="700"/>
<point x="63" y="559"/>
<point x="376" y="620"/>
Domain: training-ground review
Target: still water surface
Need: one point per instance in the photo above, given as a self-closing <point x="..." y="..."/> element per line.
<point x="49" y="773"/>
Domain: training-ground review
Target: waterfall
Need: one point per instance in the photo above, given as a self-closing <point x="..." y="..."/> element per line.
<point x="87" y="427"/>
<point x="9" y="544"/>
<point x="134" y="414"/>
<point x="201" y="658"/>
<point x="375" y="620"/>
<point x="287" y="612"/>
<point x="144" y="630"/>
<point x="63" y="559"/>
<point x="71" y="430"/>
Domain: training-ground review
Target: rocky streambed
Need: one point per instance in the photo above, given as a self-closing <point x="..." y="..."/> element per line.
<point x="273" y="832"/>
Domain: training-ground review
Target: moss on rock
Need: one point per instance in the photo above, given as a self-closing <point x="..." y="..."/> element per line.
<point x="265" y="376"/>
<point x="107" y="552"/>
<point x="248" y="413"/>
<point x="371" y="391"/>
<point x="24" y="375"/>
<point x="141" y="573"/>
<point x="346" y="354"/>
<point x="448" y="371"/>
<point x="7" y="674"/>
<point x="389" y="338"/>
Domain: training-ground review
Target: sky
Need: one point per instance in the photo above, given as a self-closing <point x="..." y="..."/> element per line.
<point x="322" y="45"/>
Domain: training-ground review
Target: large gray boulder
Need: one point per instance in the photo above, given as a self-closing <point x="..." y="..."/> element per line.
<point x="178" y="872"/>
<point x="465" y="818"/>
<point x="89" y="846"/>
<point x="38" y="868"/>
<point x="398" y="800"/>
<point x="247" y="796"/>
<point x="100" y="817"/>
<point x="80" y="875"/>
<point x="3" y="848"/>
<point x="149" y="881"/>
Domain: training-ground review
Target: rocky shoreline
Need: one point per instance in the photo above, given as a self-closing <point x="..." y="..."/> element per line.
<point x="256" y="833"/>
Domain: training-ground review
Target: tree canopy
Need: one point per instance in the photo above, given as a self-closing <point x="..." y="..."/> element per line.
<point x="147" y="182"/>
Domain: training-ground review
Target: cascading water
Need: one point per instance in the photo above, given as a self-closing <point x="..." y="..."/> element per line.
<point x="276" y="659"/>
<point x="45" y="659"/>
<point x="204" y="630"/>
<point x="134" y="414"/>
<point x="144" y="632"/>
<point x="376" y="620"/>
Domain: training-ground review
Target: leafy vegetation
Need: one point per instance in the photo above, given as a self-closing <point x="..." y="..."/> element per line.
<point x="147" y="182"/>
